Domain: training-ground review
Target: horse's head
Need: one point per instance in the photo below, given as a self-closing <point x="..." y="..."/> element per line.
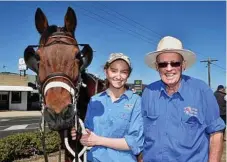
<point x="58" y="62"/>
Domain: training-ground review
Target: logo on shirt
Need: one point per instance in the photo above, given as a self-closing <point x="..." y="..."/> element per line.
<point x="190" y="111"/>
<point x="128" y="106"/>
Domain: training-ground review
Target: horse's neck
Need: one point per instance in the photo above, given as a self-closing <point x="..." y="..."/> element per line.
<point x="94" y="85"/>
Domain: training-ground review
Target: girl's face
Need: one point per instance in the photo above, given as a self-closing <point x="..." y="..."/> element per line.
<point x="117" y="74"/>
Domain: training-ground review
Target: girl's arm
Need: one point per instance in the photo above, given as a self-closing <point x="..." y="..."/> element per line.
<point x="91" y="139"/>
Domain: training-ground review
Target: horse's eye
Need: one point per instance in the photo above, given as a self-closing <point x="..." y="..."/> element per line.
<point x="37" y="57"/>
<point x="79" y="56"/>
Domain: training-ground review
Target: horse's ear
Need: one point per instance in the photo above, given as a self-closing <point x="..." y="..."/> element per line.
<point x="40" y="21"/>
<point x="70" y="20"/>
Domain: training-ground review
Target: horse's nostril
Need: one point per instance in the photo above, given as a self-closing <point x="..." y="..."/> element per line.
<point x="64" y="110"/>
<point x="67" y="112"/>
<point x="51" y="112"/>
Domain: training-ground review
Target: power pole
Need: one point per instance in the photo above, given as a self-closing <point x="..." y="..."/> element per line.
<point x="209" y="61"/>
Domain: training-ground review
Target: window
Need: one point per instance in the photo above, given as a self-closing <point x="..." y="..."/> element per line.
<point x="16" y="97"/>
<point x="4" y="97"/>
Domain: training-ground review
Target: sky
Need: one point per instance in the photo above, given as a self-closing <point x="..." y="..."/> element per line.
<point x="131" y="27"/>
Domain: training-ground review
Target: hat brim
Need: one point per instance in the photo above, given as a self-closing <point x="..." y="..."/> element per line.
<point x="189" y="57"/>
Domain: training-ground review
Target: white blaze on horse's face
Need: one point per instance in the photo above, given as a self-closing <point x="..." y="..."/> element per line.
<point x="170" y="75"/>
<point x="117" y="74"/>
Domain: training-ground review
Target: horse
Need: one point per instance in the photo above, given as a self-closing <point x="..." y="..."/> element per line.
<point x="64" y="85"/>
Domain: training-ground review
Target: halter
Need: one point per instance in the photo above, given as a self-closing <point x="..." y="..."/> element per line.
<point x="74" y="91"/>
<point x="48" y="83"/>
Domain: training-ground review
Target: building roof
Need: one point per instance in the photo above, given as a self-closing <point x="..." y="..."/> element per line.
<point x="16" y="88"/>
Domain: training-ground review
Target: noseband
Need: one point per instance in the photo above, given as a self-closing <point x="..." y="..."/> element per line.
<point x="71" y="88"/>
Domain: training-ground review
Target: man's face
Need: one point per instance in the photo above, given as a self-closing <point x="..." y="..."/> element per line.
<point x="170" y="66"/>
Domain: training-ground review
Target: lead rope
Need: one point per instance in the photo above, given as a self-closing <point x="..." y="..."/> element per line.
<point x="85" y="148"/>
<point x="78" y="122"/>
<point x="43" y="130"/>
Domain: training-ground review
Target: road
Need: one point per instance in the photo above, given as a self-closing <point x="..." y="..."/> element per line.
<point x="14" y="125"/>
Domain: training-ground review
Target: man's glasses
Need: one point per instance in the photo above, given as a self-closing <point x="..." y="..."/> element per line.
<point x="165" y="64"/>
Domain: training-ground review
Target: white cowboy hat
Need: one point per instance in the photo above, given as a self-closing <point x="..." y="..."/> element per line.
<point x="170" y="44"/>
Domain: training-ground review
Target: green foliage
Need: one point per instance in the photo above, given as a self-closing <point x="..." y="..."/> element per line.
<point x="24" y="145"/>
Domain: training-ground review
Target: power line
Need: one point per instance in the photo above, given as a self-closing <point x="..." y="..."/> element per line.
<point x="219" y="67"/>
<point x="212" y="63"/>
<point x="134" y="33"/>
<point x="134" y="22"/>
<point x="129" y="31"/>
<point x="131" y="21"/>
<point x="117" y="28"/>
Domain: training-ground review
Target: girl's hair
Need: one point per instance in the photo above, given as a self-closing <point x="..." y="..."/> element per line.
<point x="107" y="65"/>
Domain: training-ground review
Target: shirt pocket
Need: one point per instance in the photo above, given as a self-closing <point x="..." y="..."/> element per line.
<point x="121" y="123"/>
<point x="150" y="126"/>
<point x="190" y="128"/>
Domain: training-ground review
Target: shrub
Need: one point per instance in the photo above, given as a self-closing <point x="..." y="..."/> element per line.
<point x="24" y="145"/>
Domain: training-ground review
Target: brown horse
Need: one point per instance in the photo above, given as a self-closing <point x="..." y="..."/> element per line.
<point x="60" y="66"/>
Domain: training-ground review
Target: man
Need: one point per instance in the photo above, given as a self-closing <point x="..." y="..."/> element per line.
<point x="220" y="96"/>
<point x="180" y="113"/>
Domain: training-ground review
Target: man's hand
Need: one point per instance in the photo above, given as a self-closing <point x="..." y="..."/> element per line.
<point x="216" y="147"/>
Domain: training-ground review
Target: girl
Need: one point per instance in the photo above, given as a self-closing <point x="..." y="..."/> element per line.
<point x="113" y="119"/>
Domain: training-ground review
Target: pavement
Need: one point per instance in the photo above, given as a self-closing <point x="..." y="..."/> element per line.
<point x="12" y="113"/>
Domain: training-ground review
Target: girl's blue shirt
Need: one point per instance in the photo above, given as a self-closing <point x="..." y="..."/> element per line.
<point x="119" y="119"/>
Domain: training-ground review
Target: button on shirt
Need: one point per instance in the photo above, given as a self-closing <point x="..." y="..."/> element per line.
<point x="177" y="127"/>
<point x="118" y="119"/>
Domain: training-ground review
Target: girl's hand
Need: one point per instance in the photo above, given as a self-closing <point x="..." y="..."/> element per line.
<point x="90" y="139"/>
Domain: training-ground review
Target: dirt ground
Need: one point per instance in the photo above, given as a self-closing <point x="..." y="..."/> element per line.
<point x="55" y="157"/>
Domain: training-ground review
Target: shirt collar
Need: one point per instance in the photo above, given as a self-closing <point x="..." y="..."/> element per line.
<point x="162" y="89"/>
<point x="103" y="93"/>
<point x="182" y="85"/>
<point x="127" y="93"/>
<point x="179" y="92"/>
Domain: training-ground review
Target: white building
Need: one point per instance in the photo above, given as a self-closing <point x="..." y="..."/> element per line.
<point x="15" y="94"/>
<point x="14" y="97"/>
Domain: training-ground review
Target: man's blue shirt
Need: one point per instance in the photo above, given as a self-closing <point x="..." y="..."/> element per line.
<point x="119" y="119"/>
<point x="177" y="128"/>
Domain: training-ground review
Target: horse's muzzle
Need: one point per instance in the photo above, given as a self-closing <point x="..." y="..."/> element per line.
<point x="61" y="121"/>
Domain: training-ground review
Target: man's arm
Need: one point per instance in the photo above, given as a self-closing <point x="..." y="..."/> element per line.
<point x="216" y="147"/>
